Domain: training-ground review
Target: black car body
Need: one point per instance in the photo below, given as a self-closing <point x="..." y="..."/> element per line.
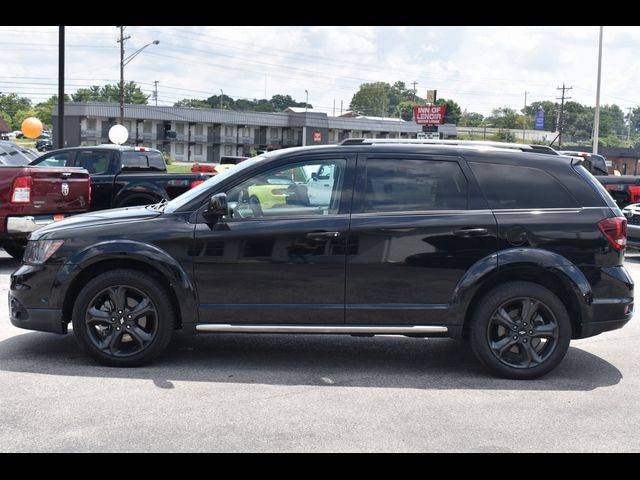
<point x="520" y="252"/>
<point x="123" y="176"/>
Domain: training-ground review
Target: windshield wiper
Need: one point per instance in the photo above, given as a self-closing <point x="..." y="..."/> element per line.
<point x="160" y="205"/>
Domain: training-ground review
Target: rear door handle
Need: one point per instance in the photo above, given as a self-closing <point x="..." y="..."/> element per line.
<point x="471" y="232"/>
<point x="323" y="234"/>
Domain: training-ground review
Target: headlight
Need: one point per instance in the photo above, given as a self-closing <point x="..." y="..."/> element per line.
<point x="40" y="251"/>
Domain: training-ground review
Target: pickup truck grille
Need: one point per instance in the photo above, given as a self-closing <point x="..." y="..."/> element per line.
<point x="634" y="220"/>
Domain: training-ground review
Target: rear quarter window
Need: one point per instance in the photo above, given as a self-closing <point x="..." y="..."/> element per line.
<point x="519" y="187"/>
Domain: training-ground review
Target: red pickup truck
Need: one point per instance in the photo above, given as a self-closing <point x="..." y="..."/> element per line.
<point x="31" y="197"/>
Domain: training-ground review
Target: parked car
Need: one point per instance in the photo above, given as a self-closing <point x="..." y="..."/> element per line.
<point x="33" y="197"/>
<point x="518" y="252"/>
<point x="13" y="154"/>
<point x="43" y="144"/>
<point x="123" y="176"/>
<point x="227" y="162"/>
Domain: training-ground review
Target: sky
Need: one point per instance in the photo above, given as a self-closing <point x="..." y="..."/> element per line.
<point x="479" y="67"/>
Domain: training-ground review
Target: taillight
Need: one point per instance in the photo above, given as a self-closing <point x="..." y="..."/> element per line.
<point x="615" y="231"/>
<point x="21" y="190"/>
<point x="89" y="192"/>
<point x="195" y="183"/>
<point x="634" y="192"/>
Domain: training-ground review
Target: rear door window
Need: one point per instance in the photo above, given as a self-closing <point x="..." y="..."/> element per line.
<point x="413" y="185"/>
<point x="95" y="162"/>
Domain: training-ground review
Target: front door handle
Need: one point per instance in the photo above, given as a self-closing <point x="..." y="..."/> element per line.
<point x="323" y="235"/>
<point x="471" y="232"/>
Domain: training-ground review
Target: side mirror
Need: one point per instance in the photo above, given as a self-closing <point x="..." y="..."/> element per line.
<point x="218" y="207"/>
<point x="314" y="176"/>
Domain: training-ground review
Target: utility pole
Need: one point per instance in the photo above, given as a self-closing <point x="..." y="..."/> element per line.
<point x="340" y="107"/>
<point x="221" y="98"/>
<point x="334" y="107"/>
<point x="524" y="117"/>
<point x="561" y="117"/>
<point x="155" y="91"/>
<point x="121" y="42"/>
<point x="60" y="132"/>
<point x="414" y="83"/>
<point x="629" y="123"/>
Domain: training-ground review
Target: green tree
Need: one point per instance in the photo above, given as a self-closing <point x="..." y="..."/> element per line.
<point x="192" y="103"/>
<point x="454" y="112"/>
<point x="11" y="103"/>
<point x="133" y="94"/>
<point x="406" y="109"/>
<point x="472" y="119"/>
<point x="372" y="99"/>
<point x="44" y="110"/>
<point x="504" y="117"/>
<point x="20" y="115"/>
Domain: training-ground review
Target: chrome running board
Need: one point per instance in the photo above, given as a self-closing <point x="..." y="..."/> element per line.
<point x="346" y="329"/>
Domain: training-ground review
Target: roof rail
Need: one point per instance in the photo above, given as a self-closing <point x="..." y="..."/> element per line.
<point x="426" y="141"/>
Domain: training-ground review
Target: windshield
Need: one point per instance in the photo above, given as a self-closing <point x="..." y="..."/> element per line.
<point x="189" y="195"/>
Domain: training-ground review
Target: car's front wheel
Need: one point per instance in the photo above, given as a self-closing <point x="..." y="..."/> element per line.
<point x="520" y="330"/>
<point x="123" y="318"/>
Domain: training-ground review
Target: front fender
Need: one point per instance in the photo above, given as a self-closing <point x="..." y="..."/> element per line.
<point x="514" y="259"/>
<point x="131" y="250"/>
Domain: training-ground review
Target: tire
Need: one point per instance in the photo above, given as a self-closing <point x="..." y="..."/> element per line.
<point x="110" y="337"/>
<point x="15" y="249"/>
<point x="137" y="201"/>
<point x="516" y="341"/>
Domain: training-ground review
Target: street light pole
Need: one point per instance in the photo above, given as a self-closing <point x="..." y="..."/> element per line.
<point x="596" y="119"/>
<point x="306" y="102"/>
<point x="221" y="99"/>
<point x="125" y="61"/>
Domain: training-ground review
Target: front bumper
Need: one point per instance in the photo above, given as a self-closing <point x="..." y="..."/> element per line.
<point x="41" y="319"/>
<point x="633" y="234"/>
<point x="22" y="226"/>
<point x="32" y="304"/>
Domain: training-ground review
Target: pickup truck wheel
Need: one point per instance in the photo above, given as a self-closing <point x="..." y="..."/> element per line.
<point x="520" y="330"/>
<point x="15" y="249"/>
<point x="122" y="318"/>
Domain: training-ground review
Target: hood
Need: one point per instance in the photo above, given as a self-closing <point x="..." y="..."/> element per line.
<point x="102" y="217"/>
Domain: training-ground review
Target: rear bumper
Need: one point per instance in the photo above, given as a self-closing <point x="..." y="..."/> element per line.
<point x="23" y="226"/>
<point x="611" y="306"/>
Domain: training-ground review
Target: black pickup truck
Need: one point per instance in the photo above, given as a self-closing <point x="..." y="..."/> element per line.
<point x="123" y="176"/>
<point x="625" y="189"/>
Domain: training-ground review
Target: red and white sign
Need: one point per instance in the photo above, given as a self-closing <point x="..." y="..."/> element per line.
<point x="429" y="115"/>
<point x="317" y="137"/>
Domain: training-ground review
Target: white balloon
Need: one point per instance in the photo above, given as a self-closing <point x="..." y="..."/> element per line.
<point x="118" y="134"/>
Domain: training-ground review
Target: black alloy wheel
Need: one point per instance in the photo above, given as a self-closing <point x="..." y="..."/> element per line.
<point x="520" y="330"/>
<point x="123" y="318"/>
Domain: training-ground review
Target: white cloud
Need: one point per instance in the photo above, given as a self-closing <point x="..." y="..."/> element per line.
<point x="480" y="67"/>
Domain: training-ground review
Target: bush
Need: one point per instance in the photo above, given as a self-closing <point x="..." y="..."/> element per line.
<point x="505" y="136"/>
<point x="167" y="158"/>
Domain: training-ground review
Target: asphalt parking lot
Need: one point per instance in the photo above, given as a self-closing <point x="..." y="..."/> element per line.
<point x="313" y="393"/>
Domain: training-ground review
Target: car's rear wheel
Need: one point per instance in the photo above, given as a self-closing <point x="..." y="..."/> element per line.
<point x="520" y="330"/>
<point x="122" y="318"/>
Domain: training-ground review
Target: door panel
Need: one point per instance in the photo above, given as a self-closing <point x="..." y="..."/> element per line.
<point x="276" y="258"/>
<point x="407" y="248"/>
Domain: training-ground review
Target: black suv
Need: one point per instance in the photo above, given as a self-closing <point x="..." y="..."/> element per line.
<point x="516" y="251"/>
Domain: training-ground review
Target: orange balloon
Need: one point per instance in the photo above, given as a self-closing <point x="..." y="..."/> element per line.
<point x="31" y="127"/>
